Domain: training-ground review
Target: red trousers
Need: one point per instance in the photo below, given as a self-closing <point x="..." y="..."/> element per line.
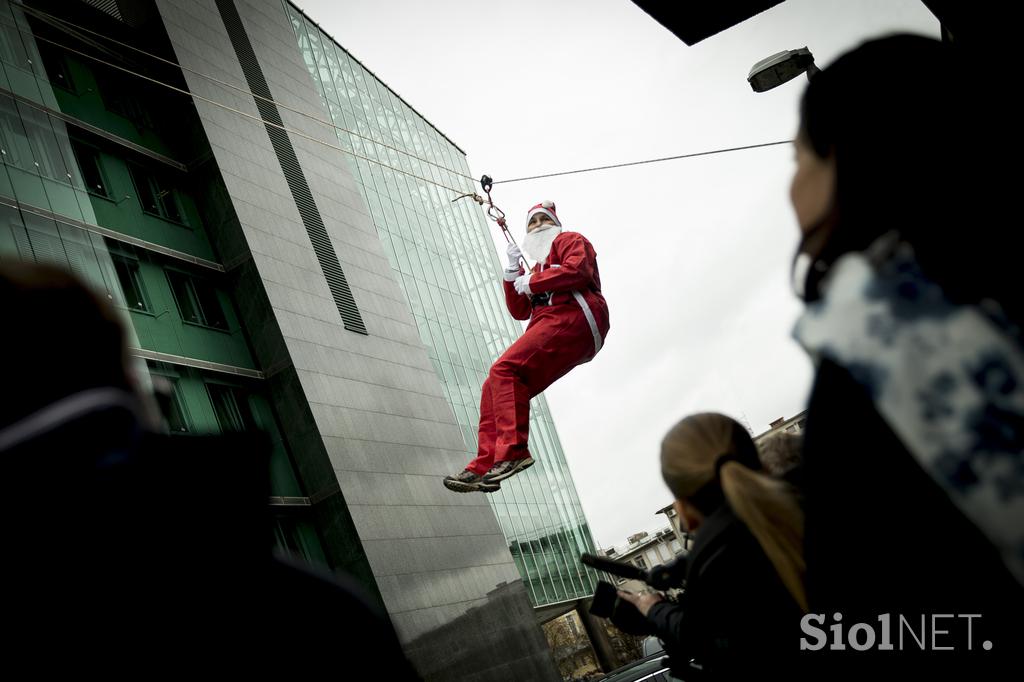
<point x="557" y="339"/>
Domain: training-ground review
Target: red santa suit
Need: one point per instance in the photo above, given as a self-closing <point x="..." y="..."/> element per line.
<point x="568" y="324"/>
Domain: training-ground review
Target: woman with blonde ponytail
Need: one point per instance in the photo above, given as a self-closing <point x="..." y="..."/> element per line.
<point x="744" y="597"/>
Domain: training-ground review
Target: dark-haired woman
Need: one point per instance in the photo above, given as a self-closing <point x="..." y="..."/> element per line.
<point x="914" y="443"/>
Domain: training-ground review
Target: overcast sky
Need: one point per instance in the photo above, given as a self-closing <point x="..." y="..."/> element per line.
<point x="694" y="254"/>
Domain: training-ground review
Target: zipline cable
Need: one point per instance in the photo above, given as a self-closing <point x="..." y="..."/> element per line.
<point x="638" y="163"/>
<point x="486" y="182"/>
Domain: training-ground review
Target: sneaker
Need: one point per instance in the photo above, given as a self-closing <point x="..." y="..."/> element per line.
<point x="507" y="468"/>
<point x="468" y="482"/>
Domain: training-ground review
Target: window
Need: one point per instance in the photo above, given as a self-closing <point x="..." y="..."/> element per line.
<point x="121" y="96"/>
<point x="92" y="170"/>
<point x="175" y="412"/>
<point x="165" y="389"/>
<point x="56" y="67"/>
<point x="132" y="108"/>
<point x="131" y="283"/>
<point x="231" y="406"/>
<point x="640" y="563"/>
<point x="287" y="538"/>
<point x="41" y="242"/>
<point x="12" y="49"/>
<point x="197" y="301"/>
<point x="298" y="538"/>
<point x="570" y="620"/>
<point x="156" y="195"/>
<point x="28" y="141"/>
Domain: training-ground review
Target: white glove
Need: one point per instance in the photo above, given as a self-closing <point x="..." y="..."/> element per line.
<point x="522" y="285"/>
<point x="514" y="254"/>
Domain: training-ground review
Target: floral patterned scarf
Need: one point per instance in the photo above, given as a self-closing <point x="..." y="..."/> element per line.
<point x="948" y="379"/>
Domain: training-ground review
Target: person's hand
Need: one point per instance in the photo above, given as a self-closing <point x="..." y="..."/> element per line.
<point x="514" y="254"/>
<point x="522" y="285"/>
<point x="643" y="600"/>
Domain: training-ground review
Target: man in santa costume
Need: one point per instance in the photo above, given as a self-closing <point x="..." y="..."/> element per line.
<point x="561" y="296"/>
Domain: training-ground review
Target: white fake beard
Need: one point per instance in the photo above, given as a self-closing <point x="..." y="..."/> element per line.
<point x="537" y="244"/>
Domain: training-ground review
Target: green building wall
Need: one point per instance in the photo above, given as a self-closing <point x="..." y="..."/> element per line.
<point x="48" y="130"/>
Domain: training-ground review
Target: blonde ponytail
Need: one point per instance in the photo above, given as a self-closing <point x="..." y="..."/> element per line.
<point x="767" y="506"/>
<point x="770" y="510"/>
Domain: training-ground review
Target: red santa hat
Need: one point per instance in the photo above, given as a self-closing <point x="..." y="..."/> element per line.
<point x="547" y="208"/>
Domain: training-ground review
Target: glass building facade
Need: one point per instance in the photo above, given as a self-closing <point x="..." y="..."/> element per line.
<point x="442" y="256"/>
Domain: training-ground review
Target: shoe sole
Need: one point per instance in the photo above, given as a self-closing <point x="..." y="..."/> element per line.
<point x="460" y="487"/>
<point x="521" y="465"/>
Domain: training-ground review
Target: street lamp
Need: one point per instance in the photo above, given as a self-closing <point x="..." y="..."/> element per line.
<point x="780" y="68"/>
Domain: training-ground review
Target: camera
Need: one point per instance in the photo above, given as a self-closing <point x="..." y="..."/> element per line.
<point x="623" y="615"/>
<point x="605" y="597"/>
<point x="606" y="602"/>
<point x="661" y="577"/>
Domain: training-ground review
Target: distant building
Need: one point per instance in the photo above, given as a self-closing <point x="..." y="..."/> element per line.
<point x="645" y="551"/>
<point x="682" y="535"/>
<point x="780" y="447"/>
<point x="793" y="425"/>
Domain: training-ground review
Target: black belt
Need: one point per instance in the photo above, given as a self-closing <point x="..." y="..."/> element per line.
<point x="540" y="299"/>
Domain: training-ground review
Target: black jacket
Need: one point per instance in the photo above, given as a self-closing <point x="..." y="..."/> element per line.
<point x="137" y="553"/>
<point x="735" y="617"/>
<point x="883" y="537"/>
